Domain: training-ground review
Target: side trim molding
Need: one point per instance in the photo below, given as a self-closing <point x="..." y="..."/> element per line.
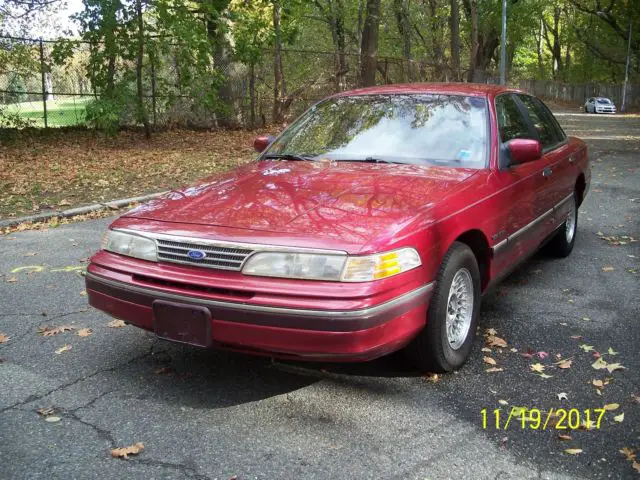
<point x="501" y="246"/>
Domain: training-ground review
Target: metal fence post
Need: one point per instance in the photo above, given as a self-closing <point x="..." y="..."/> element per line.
<point x="152" y="56"/>
<point x="44" y="88"/>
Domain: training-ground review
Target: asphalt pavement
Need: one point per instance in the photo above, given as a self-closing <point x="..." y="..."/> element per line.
<point x="218" y="415"/>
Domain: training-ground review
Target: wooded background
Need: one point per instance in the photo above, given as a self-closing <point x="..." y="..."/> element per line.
<point x="246" y="63"/>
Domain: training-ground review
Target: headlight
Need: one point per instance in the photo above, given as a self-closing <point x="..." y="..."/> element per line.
<point x="130" y="245"/>
<point x="380" y="265"/>
<point x="296" y="265"/>
<point x="312" y="266"/>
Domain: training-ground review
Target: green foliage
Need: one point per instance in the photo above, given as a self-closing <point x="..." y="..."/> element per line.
<point x="104" y="114"/>
<point x="17" y="89"/>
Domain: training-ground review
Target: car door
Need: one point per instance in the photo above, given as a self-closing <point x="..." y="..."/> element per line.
<point x="514" y="237"/>
<point x="553" y="184"/>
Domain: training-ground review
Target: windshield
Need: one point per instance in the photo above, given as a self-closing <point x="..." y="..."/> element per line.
<point x="604" y="101"/>
<point x="414" y="129"/>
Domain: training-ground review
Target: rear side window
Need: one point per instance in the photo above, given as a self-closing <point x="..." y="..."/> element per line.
<point x="542" y="119"/>
<point x="511" y="122"/>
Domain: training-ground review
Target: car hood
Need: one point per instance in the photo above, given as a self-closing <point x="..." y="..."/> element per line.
<point x="345" y="201"/>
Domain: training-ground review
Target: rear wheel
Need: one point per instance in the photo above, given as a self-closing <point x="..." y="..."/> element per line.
<point x="445" y="343"/>
<point x="563" y="240"/>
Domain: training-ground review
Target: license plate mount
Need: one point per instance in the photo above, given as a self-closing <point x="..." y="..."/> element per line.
<point x="182" y="323"/>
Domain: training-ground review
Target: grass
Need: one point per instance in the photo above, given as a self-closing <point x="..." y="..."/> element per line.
<point x="60" y="112"/>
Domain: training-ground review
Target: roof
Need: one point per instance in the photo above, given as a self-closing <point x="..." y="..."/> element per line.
<point x="473" y="89"/>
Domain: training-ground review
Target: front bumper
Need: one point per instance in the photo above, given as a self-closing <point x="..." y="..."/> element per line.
<point x="328" y="332"/>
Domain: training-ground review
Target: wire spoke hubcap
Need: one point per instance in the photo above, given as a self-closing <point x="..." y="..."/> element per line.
<point x="459" y="308"/>
<point x="570" y="224"/>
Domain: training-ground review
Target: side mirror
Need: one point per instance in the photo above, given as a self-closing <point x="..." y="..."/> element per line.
<point x="262" y="142"/>
<point x="524" y="150"/>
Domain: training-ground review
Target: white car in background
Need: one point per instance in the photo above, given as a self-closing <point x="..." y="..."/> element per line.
<point x="599" y="105"/>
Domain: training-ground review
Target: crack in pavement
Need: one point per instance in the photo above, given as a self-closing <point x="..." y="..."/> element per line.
<point x="33" y="398"/>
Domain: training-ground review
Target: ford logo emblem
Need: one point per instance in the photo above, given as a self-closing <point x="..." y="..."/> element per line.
<point x="196" y="254"/>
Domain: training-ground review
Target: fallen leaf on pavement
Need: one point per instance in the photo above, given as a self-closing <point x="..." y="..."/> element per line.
<point x="542" y="355"/>
<point x="486" y="350"/>
<point x="636" y="466"/>
<point x="599" y="364"/>
<point x="563" y="396"/>
<point x="44" y="411"/>
<point x="30" y="254"/>
<point x="489" y="360"/>
<point x="491" y="331"/>
<point x="612" y="367"/>
<point x="494" y="369"/>
<point x="611" y="351"/>
<point x="84" y="332"/>
<point x="586" y="348"/>
<point x="544" y="375"/>
<point x="125" y="451"/>
<point x="503" y="402"/>
<point x="64" y="348"/>
<point x="577" y="337"/>
<point x="573" y="451"/>
<point x="565" y="437"/>
<point x="628" y="453"/>
<point x="493" y="341"/>
<point x="564" y="364"/>
<point x="4" y="338"/>
<point x="51" y="331"/>
<point x="116" y="324"/>
<point x="52" y="419"/>
<point x="608" y="268"/>
<point x="537" y="367"/>
<point x="597" y="383"/>
<point x="12" y="280"/>
<point x="611" y="406"/>
<point x="619" y="418"/>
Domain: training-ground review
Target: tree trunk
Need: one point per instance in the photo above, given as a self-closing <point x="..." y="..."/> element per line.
<point x="400" y="9"/>
<point x="110" y="47"/>
<point x="454" y="25"/>
<point x="142" y="112"/>
<point x="475" y="45"/>
<point x="216" y="33"/>
<point x="252" y="94"/>
<point x="278" y="80"/>
<point x="369" y="46"/>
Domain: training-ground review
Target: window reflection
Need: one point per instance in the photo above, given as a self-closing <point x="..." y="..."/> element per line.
<point x="414" y="128"/>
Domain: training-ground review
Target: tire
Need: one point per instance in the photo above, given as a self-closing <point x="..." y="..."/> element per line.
<point x="433" y="350"/>
<point x="562" y="242"/>
<point x="586" y="109"/>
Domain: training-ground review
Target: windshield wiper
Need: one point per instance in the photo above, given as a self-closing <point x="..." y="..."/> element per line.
<point x="368" y="160"/>
<point x="288" y="156"/>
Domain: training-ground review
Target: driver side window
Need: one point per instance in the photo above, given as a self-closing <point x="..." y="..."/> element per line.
<point x="511" y="122"/>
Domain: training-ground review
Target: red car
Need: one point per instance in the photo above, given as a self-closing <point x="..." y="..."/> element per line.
<point x="374" y="222"/>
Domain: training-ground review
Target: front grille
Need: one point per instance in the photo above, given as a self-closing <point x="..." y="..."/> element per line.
<point x="224" y="258"/>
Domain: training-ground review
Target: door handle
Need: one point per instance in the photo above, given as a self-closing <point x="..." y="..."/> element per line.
<point x="547" y="172"/>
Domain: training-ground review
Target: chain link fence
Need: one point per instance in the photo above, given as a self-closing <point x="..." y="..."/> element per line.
<point x="51" y="84"/>
<point x="38" y="90"/>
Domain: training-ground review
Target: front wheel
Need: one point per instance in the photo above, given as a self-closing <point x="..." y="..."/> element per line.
<point x="563" y="240"/>
<point x="445" y="343"/>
